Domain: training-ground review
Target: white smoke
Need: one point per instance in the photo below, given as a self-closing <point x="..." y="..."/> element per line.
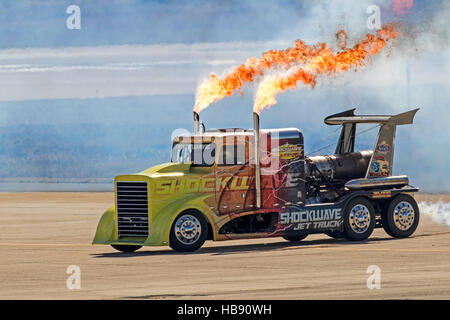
<point x="439" y="211"/>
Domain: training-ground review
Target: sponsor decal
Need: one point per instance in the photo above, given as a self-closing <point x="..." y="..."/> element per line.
<point x="382" y="182"/>
<point x="379" y="168"/>
<point x="383" y="148"/>
<point x="375" y="166"/>
<point x="288" y="151"/>
<point x="313" y="219"/>
<point x="379" y="157"/>
<point x="381" y="194"/>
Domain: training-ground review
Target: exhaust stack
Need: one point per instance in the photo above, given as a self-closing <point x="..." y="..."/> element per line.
<point x="196" y="122"/>
<point x="257" y="160"/>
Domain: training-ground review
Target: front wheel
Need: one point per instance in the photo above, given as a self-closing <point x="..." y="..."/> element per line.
<point x="401" y="217"/>
<point x="295" y="238"/>
<point x="125" y="248"/>
<point x="359" y="219"/>
<point x="188" y="232"/>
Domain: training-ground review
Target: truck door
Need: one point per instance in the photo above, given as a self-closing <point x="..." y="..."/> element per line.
<point x="283" y="181"/>
<point x="233" y="176"/>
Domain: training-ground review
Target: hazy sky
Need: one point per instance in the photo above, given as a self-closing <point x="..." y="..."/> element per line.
<point x="127" y="47"/>
<point x="147" y="49"/>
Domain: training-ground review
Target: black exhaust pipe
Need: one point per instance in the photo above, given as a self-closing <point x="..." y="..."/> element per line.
<point x="257" y="160"/>
<point x="196" y="122"/>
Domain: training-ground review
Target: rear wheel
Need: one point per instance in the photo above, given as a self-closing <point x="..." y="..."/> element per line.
<point x="295" y="238"/>
<point x="401" y="217"/>
<point x="188" y="232"/>
<point x="125" y="248"/>
<point x="359" y="219"/>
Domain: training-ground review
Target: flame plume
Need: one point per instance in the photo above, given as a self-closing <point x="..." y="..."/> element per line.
<point x="216" y="89"/>
<point x="303" y="63"/>
<point x="322" y="62"/>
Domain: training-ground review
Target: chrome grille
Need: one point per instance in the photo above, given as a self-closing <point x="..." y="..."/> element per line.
<point x="132" y="209"/>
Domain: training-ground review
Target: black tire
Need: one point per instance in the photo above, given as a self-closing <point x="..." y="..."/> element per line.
<point x="335" y="234"/>
<point x="401" y="226"/>
<point x="360" y="229"/>
<point x="295" y="238"/>
<point x="125" y="248"/>
<point x="179" y="240"/>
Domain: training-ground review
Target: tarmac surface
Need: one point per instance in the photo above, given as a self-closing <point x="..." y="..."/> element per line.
<point x="42" y="234"/>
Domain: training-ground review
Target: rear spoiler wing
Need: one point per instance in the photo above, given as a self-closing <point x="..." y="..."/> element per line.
<point x="350" y="117"/>
<point x="383" y="154"/>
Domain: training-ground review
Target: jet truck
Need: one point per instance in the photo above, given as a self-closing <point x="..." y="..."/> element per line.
<point x="233" y="183"/>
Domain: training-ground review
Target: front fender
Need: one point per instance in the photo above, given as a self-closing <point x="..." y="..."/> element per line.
<point x="106" y="228"/>
<point x="163" y="220"/>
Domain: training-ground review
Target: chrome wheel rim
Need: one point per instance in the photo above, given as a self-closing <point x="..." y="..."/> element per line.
<point x="188" y="229"/>
<point x="359" y="218"/>
<point x="404" y="215"/>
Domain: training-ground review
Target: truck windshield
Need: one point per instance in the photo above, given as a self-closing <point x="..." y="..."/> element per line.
<point x="200" y="154"/>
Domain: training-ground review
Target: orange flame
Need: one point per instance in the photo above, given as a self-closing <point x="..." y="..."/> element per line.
<point x="216" y="89"/>
<point x="323" y="61"/>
